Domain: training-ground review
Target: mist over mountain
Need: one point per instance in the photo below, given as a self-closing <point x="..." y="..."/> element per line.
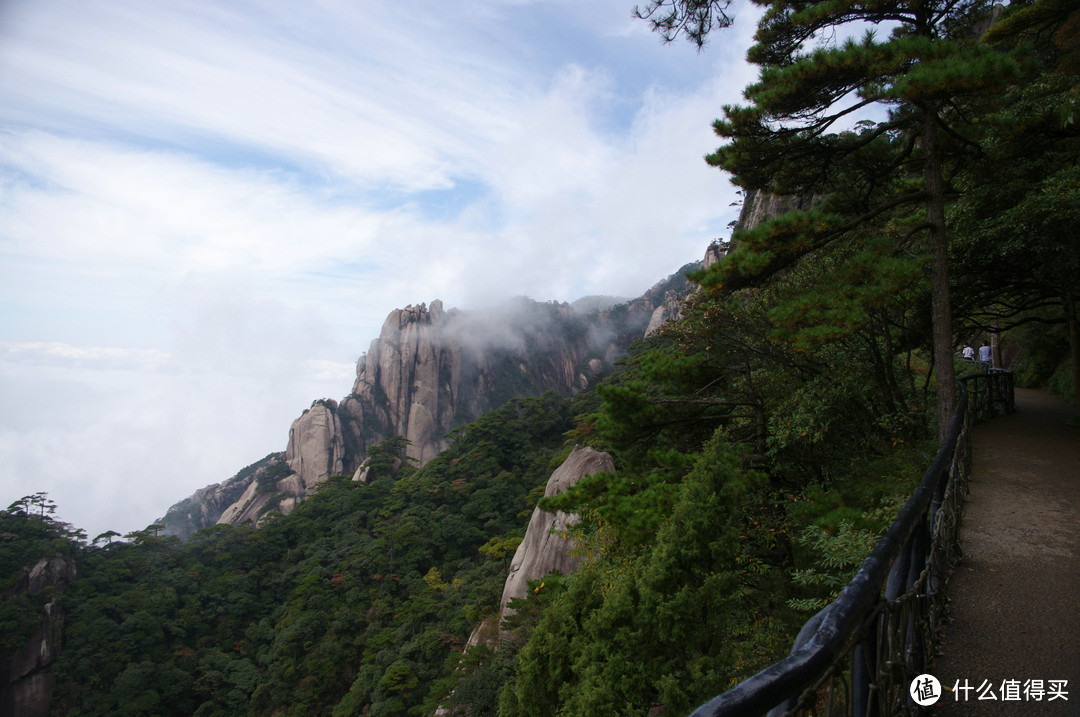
<point x="516" y="511"/>
<point x="429" y="371"/>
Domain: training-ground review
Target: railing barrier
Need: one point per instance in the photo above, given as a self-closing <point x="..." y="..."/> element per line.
<point x="861" y="652"/>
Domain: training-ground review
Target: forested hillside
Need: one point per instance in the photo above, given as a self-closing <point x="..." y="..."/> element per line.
<point x="351" y="604"/>
<point x="762" y="439"/>
<point x="761" y="442"/>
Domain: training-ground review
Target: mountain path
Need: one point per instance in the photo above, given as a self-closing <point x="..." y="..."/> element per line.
<point x="1015" y="610"/>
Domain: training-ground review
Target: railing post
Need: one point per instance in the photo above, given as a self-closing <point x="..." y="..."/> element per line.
<point x="993" y="396"/>
<point x="864" y="670"/>
<point x="914" y="659"/>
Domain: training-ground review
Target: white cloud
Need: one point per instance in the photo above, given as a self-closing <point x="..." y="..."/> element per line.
<point x="99" y="357"/>
<point x="117" y="436"/>
<point x="100" y="202"/>
<point x="359" y="93"/>
<point x="207" y="209"/>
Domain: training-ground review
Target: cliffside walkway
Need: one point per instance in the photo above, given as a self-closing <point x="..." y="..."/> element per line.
<point x="1009" y="641"/>
<point x="1015" y="599"/>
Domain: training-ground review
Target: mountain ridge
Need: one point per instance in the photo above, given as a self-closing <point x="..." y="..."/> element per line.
<point x="429" y="371"/>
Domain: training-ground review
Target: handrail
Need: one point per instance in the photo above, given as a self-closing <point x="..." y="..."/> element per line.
<point x="992" y="393"/>
<point x="879" y="632"/>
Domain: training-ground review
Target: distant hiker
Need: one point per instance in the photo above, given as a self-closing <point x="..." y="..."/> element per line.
<point x="984" y="353"/>
<point x="969" y="353"/>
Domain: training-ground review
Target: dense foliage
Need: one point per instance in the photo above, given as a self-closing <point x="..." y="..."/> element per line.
<point x="796" y="389"/>
<point x="741" y="436"/>
<point x="761" y="442"/>
<point x="357" y="602"/>
<point x="29" y="531"/>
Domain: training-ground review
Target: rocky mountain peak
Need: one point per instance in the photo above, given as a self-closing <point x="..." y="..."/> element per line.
<point x="429" y="371"/>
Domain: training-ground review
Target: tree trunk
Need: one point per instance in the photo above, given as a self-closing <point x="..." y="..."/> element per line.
<point x="939" y="275"/>
<point x="995" y="346"/>
<point x="1074" y="345"/>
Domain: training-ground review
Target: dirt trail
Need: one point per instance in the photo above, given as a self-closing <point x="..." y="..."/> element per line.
<point x="1016" y="595"/>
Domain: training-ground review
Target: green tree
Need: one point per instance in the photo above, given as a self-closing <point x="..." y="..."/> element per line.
<point x="353" y="603"/>
<point x="659" y="631"/>
<point x="919" y="64"/>
<point x="1018" y="217"/>
<point x="107" y="536"/>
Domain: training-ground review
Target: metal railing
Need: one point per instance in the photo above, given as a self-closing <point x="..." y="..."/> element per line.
<point x="990" y="393"/>
<point x="860" y="653"/>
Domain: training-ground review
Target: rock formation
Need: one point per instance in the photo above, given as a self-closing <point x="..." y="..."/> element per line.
<point x="316" y="449"/>
<point x="760" y="207"/>
<point x="207" y="505"/>
<point x="546" y="546"/>
<point x="670" y="309"/>
<point x="26" y="684"/>
<point x="430" y="371"/>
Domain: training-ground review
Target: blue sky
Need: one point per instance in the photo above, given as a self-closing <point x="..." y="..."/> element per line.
<point x="207" y="209"/>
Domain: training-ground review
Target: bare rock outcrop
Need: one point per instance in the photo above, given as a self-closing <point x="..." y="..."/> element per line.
<point x="760" y="207"/>
<point x="207" y="506"/>
<point x="26" y="682"/>
<point x="546" y="546"/>
<point x="316" y="448"/>
<point x="245" y="508"/>
<point x="669" y="310"/>
<point x="430" y="371"/>
<point x="268" y="486"/>
<point x="408" y="383"/>
<point x="713" y="254"/>
<point x="56" y="571"/>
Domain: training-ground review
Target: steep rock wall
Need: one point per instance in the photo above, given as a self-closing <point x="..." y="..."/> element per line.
<point x="316" y="448"/>
<point x="26" y="683"/>
<point x="232" y="497"/>
<point x="546" y="546"/>
<point x="429" y="371"/>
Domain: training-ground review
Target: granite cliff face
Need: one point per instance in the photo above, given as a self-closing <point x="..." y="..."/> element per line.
<point x="546" y="546"/>
<point x="233" y="499"/>
<point x="26" y="682"/>
<point x="316" y="449"/>
<point x="430" y="371"/>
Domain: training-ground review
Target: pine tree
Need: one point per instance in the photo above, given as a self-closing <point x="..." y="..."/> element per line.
<point x="1019" y="217"/>
<point x="862" y="128"/>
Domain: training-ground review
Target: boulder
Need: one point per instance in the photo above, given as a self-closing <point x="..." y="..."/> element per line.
<point x="316" y="448"/>
<point x="547" y="546"/>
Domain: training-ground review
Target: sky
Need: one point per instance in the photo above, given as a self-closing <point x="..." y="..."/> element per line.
<point x="207" y="209"/>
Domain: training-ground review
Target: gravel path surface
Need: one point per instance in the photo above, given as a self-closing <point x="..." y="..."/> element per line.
<point x="1016" y="594"/>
